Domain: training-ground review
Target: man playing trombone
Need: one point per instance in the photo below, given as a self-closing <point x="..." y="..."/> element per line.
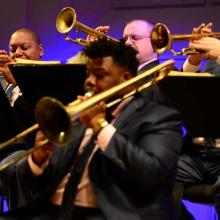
<point x="133" y="149"/>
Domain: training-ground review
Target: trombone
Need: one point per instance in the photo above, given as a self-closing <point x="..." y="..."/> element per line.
<point x="57" y="121"/>
<point x="161" y="40"/>
<point x="66" y="21"/>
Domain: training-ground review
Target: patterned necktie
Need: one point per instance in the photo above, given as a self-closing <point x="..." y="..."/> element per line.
<point x="71" y="186"/>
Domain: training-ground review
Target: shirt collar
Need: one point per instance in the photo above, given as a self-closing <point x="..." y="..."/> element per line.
<point x="147" y="62"/>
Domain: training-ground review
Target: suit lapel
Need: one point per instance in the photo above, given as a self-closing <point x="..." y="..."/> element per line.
<point x="133" y="106"/>
<point x="148" y="66"/>
<point x="138" y="102"/>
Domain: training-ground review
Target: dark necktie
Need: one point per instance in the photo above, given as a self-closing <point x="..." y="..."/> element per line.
<point x="67" y="207"/>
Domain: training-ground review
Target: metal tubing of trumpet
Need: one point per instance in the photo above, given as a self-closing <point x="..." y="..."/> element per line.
<point x="91" y="31"/>
<point x="189" y="74"/>
<point x="5" y="165"/>
<point x="66" y="21"/>
<point x="79" y="41"/>
<point x="180" y="37"/>
<point x="18" y="136"/>
<point x="161" y="39"/>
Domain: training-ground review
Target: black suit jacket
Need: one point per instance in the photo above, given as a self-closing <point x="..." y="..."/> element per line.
<point x="154" y="93"/>
<point x="132" y="179"/>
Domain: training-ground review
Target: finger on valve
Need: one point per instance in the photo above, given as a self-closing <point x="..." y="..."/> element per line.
<point x="101" y="29"/>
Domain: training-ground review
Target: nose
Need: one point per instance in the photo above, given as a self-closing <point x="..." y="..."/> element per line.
<point x="90" y="82"/>
<point x="18" y="53"/>
<point x="128" y="42"/>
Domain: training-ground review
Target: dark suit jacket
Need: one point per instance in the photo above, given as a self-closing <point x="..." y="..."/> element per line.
<point x="132" y="179"/>
<point x="154" y="93"/>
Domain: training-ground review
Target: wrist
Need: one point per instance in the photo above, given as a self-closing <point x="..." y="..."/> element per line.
<point x="99" y="125"/>
<point x="194" y="61"/>
<point x="39" y="162"/>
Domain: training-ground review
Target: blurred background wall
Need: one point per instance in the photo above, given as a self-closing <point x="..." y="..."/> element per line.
<point x="179" y="15"/>
<point x="39" y="15"/>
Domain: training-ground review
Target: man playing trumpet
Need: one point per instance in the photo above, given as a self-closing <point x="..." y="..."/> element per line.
<point x="199" y="165"/>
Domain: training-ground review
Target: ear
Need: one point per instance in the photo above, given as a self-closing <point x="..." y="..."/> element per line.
<point x="41" y="48"/>
<point x="127" y="75"/>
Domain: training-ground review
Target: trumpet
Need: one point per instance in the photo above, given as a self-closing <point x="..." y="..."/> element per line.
<point x="57" y="121"/>
<point x="161" y="40"/>
<point x="66" y="21"/>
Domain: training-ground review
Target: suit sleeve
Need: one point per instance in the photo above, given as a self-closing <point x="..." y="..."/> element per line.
<point x="147" y="148"/>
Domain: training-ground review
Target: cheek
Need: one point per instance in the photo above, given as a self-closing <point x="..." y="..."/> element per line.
<point x="148" y="46"/>
<point x="33" y="54"/>
<point x="103" y="85"/>
<point x="28" y="54"/>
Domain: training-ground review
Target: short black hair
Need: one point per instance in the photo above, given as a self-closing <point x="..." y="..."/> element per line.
<point x="124" y="56"/>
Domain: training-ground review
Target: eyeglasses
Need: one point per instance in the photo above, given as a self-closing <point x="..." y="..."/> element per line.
<point x="135" y="37"/>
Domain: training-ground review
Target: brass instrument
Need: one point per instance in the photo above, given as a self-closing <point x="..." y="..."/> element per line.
<point x="36" y="127"/>
<point x="161" y="40"/>
<point x="66" y="21"/>
<point x="56" y="121"/>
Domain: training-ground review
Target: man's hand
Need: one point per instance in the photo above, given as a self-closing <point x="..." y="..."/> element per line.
<point x="101" y="29"/>
<point x="196" y="59"/>
<point x="4" y="69"/>
<point x="91" y="116"/>
<point x="42" y="154"/>
<point x="210" y="46"/>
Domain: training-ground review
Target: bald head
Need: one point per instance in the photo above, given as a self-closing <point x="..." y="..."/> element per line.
<point x="25" y="44"/>
<point x="137" y="35"/>
<point x="143" y="26"/>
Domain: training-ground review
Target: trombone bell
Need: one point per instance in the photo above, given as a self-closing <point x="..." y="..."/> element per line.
<point x="56" y="124"/>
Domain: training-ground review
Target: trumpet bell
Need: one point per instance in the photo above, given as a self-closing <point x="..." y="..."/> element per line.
<point x="56" y="124"/>
<point x="66" y="20"/>
<point x="160" y="38"/>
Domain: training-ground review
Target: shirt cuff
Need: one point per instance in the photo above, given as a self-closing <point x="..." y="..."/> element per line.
<point x="187" y="67"/>
<point x="105" y="135"/>
<point x="35" y="169"/>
